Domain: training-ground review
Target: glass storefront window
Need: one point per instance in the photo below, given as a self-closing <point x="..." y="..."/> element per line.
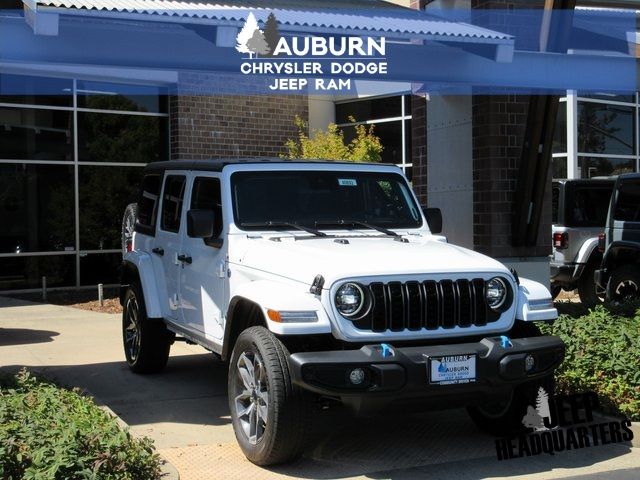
<point x="98" y="268"/>
<point x="559" y="167"/>
<point x="611" y="97"/>
<point x="390" y="135"/>
<point x="104" y="137"/>
<point x="560" y="132"/>
<point x="608" y="129"/>
<point x="36" y="208"/>
<point x="113" y="96"/>
<point x="603" y="167"/>
<point x="104" y="194"/>
<point x="55" y="92"/>
<point x="369" y="109"/>
<point x="34" y="134"/>
<point x="22" y="272"/>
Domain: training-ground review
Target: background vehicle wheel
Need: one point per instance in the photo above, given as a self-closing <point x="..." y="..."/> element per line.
<point x="590" y="294"/>
<point x="624" y="284"/>
<point x="267" y="413"/>
<point x="555" y="291"/>
<point x="146" y="342"/>
<point x="504" y="419"/>
<point x="128" y="225"/>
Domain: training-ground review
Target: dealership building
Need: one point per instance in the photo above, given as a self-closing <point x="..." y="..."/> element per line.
<point x="70" y="159"/>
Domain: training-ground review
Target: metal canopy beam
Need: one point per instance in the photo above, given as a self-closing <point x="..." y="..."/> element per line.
<point x="538" y="139"/>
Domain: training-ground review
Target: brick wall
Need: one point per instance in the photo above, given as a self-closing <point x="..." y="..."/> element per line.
<point x="208" y="119"/>
<point x="499" y="123"/>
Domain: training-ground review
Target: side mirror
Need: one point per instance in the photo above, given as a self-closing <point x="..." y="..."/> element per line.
<point x="434" y="219"/>
<point x="200" y="223"/>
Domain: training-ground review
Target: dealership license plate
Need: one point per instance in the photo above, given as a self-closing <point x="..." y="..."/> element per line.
<point x="452" y="369"/>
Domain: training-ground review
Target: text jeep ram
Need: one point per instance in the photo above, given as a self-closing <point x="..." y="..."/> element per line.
<point x="323" y="280"/>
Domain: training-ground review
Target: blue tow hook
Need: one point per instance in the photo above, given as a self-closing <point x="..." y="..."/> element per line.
<point x="386" y="350"/>
<point x="505" y="342"/>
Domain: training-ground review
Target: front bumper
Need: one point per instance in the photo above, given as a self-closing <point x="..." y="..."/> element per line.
<point x="404" y="376"/>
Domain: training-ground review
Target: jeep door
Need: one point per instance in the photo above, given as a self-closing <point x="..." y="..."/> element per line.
<point x="203" y="278"/>
<point x="166" y="247"/>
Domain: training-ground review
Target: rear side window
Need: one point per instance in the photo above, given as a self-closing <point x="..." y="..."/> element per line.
<point x="206" y="196"/>
<point x="148" y="202"/>
<point x="628" y="203"/>
<point x="589" y="206"/>
<point x="172" y="199"/>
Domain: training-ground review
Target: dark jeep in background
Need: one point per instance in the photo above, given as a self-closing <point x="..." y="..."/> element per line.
<point x="579" y="215"/>
<point x="619" y="273"/>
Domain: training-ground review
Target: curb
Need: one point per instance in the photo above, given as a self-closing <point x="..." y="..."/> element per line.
<point x="167" y="470"/>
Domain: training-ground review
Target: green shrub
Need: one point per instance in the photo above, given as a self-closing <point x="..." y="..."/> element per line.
<point x="329" y="145"/>
<point x="50" y="433"/>
<point x="603" y="355"/>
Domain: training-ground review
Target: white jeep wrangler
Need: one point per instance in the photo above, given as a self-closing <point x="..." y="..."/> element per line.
<point x="323" y="280"/>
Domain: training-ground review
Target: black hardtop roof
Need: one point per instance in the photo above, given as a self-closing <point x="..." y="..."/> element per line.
<point x="217" y="164"/>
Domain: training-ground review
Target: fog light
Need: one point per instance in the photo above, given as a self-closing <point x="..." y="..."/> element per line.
<point x="356" y="376"/>
<point x="529" y="362"/>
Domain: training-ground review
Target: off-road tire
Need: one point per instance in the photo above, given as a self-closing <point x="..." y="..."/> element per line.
<point x="504" y="419"/>
<point x="283" y="433"/>
<point x="624" y="284"/>
<point x="128" y="223"/>
<point x="555" y="291"/>
<point x="153" y="341"/>
<point x="587" y="288"/>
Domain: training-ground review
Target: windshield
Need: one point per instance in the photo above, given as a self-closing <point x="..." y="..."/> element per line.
<point x="322" y="199"/>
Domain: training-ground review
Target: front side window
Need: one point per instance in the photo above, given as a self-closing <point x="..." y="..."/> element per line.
<point x="628" y="202"/>
<point x="206" y="196"/>
<point x="172" y="199"/>
<point x="321" y="199"/>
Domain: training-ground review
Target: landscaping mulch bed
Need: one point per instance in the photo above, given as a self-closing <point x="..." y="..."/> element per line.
<point x="82" y="299"/>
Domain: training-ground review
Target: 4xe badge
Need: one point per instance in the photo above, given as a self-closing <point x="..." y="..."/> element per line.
<point x="562" y="423"/>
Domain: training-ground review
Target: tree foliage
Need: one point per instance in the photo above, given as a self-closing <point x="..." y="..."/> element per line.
<point x="330" y="144"/>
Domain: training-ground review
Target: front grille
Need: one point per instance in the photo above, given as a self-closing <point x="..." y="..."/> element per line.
<point x="431" y="304"/>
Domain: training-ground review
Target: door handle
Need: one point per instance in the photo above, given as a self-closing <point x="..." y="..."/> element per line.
<point x="185" y="258"/>
<point x="158" y="251"/>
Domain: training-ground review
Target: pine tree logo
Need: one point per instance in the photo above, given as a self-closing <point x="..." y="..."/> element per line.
<point x="254" y="41"/>
<point x="534" y="417"/>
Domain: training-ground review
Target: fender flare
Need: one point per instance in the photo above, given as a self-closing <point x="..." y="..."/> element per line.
<point x="137" y="266"/>
<point x="587" y="251"/>
<point x="614" y="249"/>
<point x="534" y="302"/>
<point x="267" y="294"/>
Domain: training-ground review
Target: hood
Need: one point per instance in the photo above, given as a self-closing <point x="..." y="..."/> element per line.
<point x="303" y="258"/>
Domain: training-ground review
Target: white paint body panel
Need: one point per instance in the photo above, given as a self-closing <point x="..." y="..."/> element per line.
<point x="276" y="269"/>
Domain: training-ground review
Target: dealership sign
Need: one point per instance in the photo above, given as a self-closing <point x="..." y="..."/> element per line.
<point x="315" y="63"/>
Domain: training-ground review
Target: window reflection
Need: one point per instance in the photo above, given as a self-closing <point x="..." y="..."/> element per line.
<point x="36" y="208"/>
<point x="98" y="268"/>
<point x="104" y="194"/>
<point x="18" y="273"/>
<point x="33" y="134"/>
<point x="603" y="167"/>
<point x="106" y="137"/>
<point x="606" y="129"/>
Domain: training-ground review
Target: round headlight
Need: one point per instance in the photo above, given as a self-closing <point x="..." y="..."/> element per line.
<point x="350" y="299"/>
<point x="495" y="293"/>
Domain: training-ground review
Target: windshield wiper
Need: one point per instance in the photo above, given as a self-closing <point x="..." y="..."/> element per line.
<point x="278" y="223"/>
<point x="358" y="223"/>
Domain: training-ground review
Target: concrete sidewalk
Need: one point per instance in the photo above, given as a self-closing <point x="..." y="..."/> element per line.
<point x="184" y="409"/>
